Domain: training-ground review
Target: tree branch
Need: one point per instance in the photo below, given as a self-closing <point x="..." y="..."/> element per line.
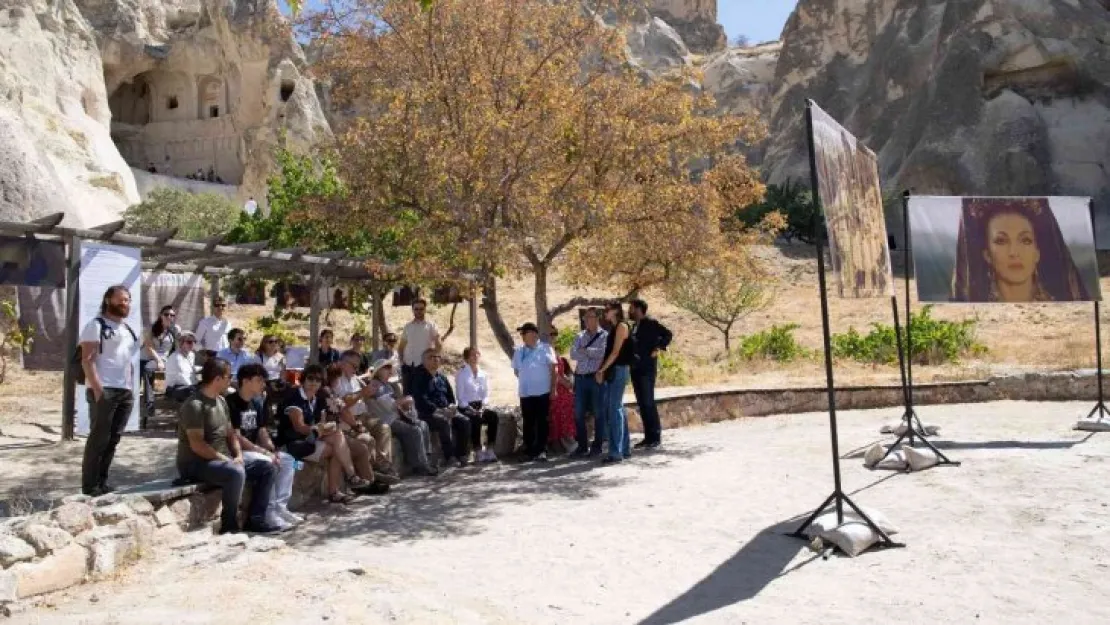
<point x="577" y="302"/>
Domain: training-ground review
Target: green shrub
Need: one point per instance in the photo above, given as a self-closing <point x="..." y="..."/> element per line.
<point x="565" y="339"/>
<point x="275" y="325"/>
<point x="776" y="343"/>
<point x="672" y="370"/>
<point x="934" y="341"/>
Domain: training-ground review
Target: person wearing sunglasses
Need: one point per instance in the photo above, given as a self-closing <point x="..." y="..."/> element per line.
<point x="236" y="353"/>
<point x="212" y="330"/>
<point x="158" y="342"/>
<point x="304" y="434"/>
<point x="181" y="377"/>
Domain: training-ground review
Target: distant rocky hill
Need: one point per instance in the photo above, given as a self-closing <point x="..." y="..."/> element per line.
<point x="90" y="89"/>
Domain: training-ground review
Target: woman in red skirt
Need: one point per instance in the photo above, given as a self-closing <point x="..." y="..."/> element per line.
<point x="562" y="430"/>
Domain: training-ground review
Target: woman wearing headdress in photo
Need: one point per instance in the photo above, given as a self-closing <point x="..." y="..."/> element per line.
<point x="1012" y="250"/>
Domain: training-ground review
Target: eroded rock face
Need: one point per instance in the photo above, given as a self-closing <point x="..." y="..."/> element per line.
<point x="90" y="89"/>
<point x="695" y="21"/>
<point x="956" y="96"/>
<point x="56" y="155"/>
<point x="204" y="84"/>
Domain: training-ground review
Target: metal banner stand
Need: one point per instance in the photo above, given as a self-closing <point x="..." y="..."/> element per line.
<point x="912" y="427"/>
<point x="1100" y="408"/>
<point x="838" y="498"/>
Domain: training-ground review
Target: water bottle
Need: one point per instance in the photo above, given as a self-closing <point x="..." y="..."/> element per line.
<point x="297" y="465"/>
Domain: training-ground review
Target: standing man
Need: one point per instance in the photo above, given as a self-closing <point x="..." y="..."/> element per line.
<point x="208" y="452"/>
<point x="109" y="348"/>
<point x="588" y="353"/>
<point x="649" y="337"/>
<point x="534" y="366"/>
<point x="419" y="336"/>
<point x="212" y="330"/>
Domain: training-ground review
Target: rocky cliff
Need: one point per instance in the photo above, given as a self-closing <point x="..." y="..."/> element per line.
<point x="91" y="88"/>
<point x="955" y="96"/>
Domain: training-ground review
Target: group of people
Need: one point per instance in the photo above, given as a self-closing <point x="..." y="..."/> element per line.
<point x="243" y="420"/>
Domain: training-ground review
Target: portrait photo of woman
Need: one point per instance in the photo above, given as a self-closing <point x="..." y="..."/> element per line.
<point x="1004" y="249"/>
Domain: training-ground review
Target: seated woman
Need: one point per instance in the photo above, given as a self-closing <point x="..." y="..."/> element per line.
<point x="158" y="342"/>
<point x="304" y="434"/>
<point x="272" y="360"/>
<point x="181" y="376"/>
<point x="384" y="402"/>
<point x="328" y="354"/>
<point x="346" y="401"/>
<point x="472" y="386"/>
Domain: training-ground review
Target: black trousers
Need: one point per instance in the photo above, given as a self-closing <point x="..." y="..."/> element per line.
<point x="643" y="385"/>
<point x="479" y="417"/>
<point x="453" y="432"/>
<point x="535" y="411"/>
<point x="107" y="420"/>
<point x="406" y="378"/>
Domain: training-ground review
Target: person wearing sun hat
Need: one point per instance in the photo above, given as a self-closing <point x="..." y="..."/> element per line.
<point x="534" y="365"/>
<point x="387" y="404"/>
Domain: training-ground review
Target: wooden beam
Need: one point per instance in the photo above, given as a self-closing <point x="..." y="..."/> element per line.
<point x="110" y="230"/>
<point x="48" y="222"/>
<point x="69" y="379"/>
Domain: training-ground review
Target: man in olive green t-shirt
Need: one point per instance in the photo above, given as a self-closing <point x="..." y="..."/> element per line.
<point x="208" y="451"/>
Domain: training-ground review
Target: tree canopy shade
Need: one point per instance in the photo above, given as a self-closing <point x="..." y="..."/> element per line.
<point x="513" y="136"/>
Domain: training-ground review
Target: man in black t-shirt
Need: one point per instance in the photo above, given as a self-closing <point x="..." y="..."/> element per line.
<point x="249" y="418"/>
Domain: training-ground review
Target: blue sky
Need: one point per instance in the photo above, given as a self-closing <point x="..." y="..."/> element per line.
<point x="759" y="20"/>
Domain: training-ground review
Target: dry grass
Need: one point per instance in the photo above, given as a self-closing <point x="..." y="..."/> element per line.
<point x="1018" y="337"/>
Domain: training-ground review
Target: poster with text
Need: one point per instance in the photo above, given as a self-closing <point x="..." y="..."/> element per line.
<point x="852" y="201"/>
<point x="1004" y="249"/>
<point x="103" y="266"/>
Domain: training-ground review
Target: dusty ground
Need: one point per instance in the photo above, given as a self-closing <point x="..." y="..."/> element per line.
<point x="693" y="533"/>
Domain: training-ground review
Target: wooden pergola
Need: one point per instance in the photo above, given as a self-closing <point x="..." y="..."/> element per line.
<point x="162" y="252"/>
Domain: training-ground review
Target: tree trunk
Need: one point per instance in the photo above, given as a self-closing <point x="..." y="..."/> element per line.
<point x="451" y="322"/>
<point x="493" y="317"/>
<point x="539" y="270"/>
<point x="728" y="346"/>
<point x="379" y="314"/>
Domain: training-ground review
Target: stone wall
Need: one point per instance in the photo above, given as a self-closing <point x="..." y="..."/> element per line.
<point x="685" y="407"/>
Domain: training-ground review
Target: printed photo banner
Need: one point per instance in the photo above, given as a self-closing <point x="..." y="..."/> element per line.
<point x="852" y="201"/>
<point x="102" y="266"/>
<point x="1004" y="249"/>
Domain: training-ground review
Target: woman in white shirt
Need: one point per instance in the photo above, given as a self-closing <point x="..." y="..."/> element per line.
<point x="181" y="376"/>
<point x="158" y="342"/>
<point x="269" y="354"/>
<point x="472" y="392"/>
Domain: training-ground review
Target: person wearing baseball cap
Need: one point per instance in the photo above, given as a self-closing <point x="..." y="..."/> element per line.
<point x="534" y="365"/>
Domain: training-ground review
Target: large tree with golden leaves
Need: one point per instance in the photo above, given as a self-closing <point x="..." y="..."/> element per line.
<point x="519" y="137"/>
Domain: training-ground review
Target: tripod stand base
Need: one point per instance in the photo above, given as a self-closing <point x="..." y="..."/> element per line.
<point x="914" y="430"/>
<point x="839" y="500"/>
<point x="1091" y="424"/>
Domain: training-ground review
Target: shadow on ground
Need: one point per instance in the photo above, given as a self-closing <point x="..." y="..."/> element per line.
<point x="452" y="504"/>
<point x="758" y="563"/>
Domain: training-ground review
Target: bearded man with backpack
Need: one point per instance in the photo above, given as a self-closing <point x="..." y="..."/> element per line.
<point x="108" y="349"/>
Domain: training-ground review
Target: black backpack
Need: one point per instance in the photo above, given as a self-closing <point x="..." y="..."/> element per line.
<point x="79" y="374"/>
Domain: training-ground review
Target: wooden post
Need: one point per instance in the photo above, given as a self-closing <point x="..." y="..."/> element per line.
<point x="473" y="315"/>
<point x="69" y="382"/>
<point x="375" y="311"/>
<point x="215" y="292"/>
<point x="314" y="317"/>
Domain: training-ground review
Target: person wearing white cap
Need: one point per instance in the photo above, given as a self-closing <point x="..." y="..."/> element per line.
<point x="387" y="404"/>
<point x="181" y="370"/>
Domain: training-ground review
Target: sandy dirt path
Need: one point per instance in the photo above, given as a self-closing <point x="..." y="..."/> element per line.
<point x="693" y="533"/>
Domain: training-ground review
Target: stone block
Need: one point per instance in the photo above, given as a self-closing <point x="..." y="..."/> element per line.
<point x="139" y="504"/>
<point x="110" y="547"/>
<point x="74" y="517"/>
<point x="309" y="483"/>
<point x="142" y="528"/>
<point x="45" y="539"/>
<point x="14" y="549"/>
<point x="197" y="509"/>
<point x="110" y="499"/>
<point x="9" y="587"/>
<point x="164" y="516"/>
<point x="78" y="498"/>
<point x="113" y="514"/>
<point x="62" y="569"/>
<point x="510" y="431"/>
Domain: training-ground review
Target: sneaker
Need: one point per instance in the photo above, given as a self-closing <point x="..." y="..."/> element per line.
<point x="654" y="444"/>
<point x="642" y="444"/>
<point x="490" y="456"/>
<point x="275" y="520"/>
<point x="580" y="453"/>
<point x="289" y="517"/>
<point x="461" y="462"/>
<point x="572" y="447"/>
<point x="607" y="460"/>
<point x="595" y="451"/>
<point x="541" y="458"/>
<point x="375" y="488"/>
